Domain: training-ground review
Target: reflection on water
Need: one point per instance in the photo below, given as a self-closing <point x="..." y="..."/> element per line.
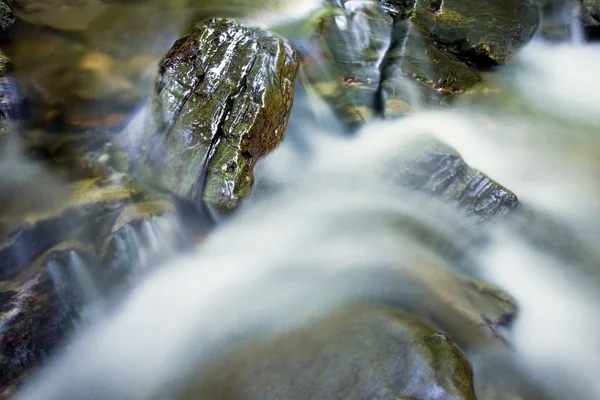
<point x="332" y="222"/>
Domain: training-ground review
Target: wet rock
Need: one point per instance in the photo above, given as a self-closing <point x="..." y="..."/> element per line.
<point x="439" y="170"/>
<point x="484" y="32"/>
<point x="37" y="311"/>
<point x="6" y="17"/>
<point x="362" y="352"/>
<point x="223" y="98"/>
<point x="398" y="8"/>
<point x="353" y="41"/>
<point x="4" y="64"/>
<point x="43" y="300"/>
<point x="590" y="12"/>
<point x="417" y="73"/>
<point x="10" y="101"/>
<point x="22" y="240"/>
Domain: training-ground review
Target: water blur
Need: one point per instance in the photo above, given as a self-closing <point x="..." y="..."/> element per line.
<point x="328" y="225"/>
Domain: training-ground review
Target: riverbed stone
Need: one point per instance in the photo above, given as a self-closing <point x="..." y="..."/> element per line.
<point x="361" y="352"/>
<point x="416" y="73"/>
<point x="484" y="32"/>
<point x="38" y="309"/>
<point x="434" y="168"/>
<point x="222" y="100"/>
<point x="7" y="19"/>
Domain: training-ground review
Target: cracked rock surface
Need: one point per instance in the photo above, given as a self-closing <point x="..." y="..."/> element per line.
<point x="223" y="97"/>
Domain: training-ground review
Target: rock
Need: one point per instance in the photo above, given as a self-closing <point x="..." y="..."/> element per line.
<point x="223" y="98"/>
<point x="4" y="65"/>
<point x="43" y="286"/>
<point x="417" y="73"/>
<point x="590" y="12"/>
<point x="484" y="32"/>
<point x="437" y="169"/>
<point x="354" y="41"/>
<point x="395" y="56"/>
<point x="6" y="17"/>
<point x="37" y="310"/>
<point x="361" y="352"/>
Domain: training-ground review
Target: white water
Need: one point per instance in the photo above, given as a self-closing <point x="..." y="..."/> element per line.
<point x="335" y="230"/>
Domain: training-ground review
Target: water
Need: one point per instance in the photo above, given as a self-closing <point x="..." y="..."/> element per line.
<point x="329" y="225"/>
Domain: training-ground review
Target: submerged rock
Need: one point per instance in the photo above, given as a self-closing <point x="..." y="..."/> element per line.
<point x="361" y="352"/>
<point x="222" y="101"/>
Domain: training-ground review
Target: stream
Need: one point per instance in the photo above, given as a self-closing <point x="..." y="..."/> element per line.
<point x="427" y="229"/>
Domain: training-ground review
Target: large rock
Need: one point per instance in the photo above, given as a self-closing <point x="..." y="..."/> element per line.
<point x="362" y="352"/>
<point x="223" y="98"/>
<point x="485" y="32"/>
<point x="392" y="57"/>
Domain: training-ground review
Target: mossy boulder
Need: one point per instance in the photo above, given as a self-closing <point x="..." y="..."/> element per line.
<point x="361" y="352"/>
<point x="222" y="101"/>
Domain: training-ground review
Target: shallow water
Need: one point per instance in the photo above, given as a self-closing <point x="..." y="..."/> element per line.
<point x="327" y="225"/>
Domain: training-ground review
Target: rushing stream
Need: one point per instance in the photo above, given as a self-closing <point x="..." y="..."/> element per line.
<point x="344" y="219"/>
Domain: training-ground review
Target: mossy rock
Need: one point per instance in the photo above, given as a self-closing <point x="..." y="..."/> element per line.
<point x="361" y="352"/>
<point x="222" y="101"/>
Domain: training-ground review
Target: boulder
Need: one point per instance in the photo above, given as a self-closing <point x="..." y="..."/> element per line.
<point x="486" y="33"/>
<point x="222" y="101"/>
<point x="361" y="352"/>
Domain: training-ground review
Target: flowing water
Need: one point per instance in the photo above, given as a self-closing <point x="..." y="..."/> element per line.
<point x="328" y="225"/>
